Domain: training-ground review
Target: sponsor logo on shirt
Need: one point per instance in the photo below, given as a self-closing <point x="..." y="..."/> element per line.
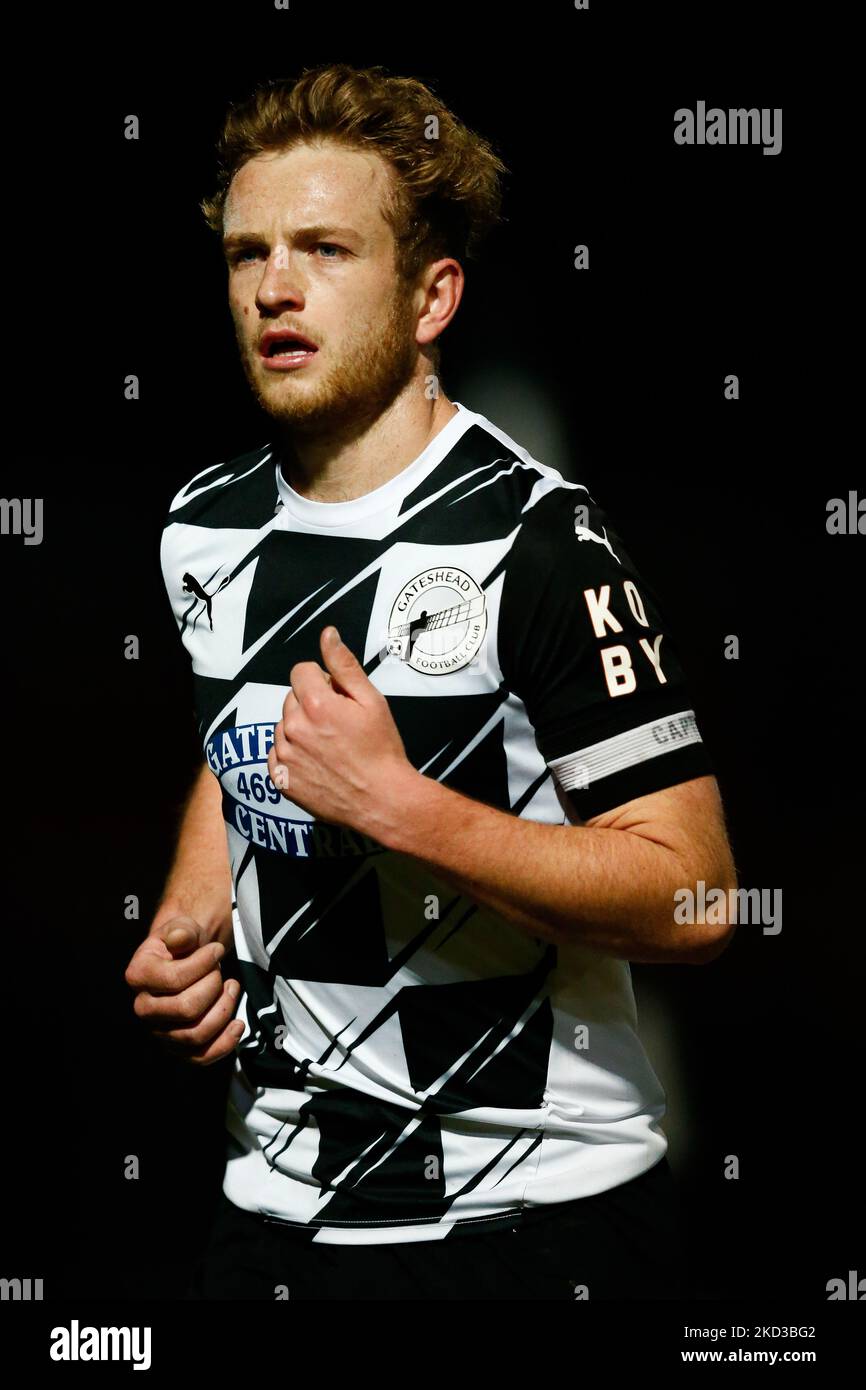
<point x="256" y="809"/>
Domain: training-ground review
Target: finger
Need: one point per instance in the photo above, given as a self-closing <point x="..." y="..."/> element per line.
<point x="308" y="684"/>
<point x="153" y="969"/>
<point x="335" y="684"/>
<point x="210" y="1025"/>
<point x="181" y="1010"/>
<point x="223" y="1046"/>
<point x="278" y="772"/>
<point x="282" y="744"/>
<point x="181" y="935"/>
<point x="346" y="669"/>
<point x="290" y="703"/>
<point x="181" y="941"/>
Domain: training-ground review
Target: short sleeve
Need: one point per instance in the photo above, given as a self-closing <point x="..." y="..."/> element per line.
<point x="583" y="643"/>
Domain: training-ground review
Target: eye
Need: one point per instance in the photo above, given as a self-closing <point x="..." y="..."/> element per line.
<point x="330" y="246"/>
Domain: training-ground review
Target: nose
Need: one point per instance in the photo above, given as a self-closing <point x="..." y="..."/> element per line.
<point x="280" y="284"/>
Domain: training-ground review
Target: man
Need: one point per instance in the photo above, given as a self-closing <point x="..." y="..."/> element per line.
<point x="452" y="776"/>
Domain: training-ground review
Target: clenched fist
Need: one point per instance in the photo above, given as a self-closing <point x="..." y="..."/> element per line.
<point x="337" y="751"/>
<point x="180" y="993"/>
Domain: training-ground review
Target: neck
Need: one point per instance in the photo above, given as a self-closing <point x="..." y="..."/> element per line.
<point x="341" y="464"/>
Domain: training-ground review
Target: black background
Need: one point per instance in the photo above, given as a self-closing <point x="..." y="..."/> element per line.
<point x="703" y="262"/>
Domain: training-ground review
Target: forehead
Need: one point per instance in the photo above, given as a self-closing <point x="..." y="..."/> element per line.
<point x="309" y="184"/>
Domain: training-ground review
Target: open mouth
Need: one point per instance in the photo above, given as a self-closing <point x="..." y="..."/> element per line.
<point x="285" y="346"/>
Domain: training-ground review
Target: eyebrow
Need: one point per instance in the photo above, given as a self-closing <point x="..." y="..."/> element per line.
<point x="320" y="232"/>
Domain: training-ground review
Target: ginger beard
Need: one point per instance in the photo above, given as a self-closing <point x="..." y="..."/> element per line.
<point x="346" y="384"/>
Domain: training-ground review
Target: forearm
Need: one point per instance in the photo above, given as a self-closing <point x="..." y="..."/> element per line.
<point x="608" y="889"/>
<point x="199" y="883"/>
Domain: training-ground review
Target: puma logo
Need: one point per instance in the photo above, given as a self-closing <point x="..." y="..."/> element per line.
<point x="192" y="586"/>
<point x="584" y="533"/>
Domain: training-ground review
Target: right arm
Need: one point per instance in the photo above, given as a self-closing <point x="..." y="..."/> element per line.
<point x="199" y="883"/>
<point x="175" y="973"/>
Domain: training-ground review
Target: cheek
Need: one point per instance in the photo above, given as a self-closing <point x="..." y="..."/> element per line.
<point x="239" y="308"/>
<point x="358" y="325"/>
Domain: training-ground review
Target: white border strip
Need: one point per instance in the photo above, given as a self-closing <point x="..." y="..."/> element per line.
<point x="600" y="760"/>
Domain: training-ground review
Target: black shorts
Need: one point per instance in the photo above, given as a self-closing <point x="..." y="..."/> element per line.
<point x="625" y="1243"/>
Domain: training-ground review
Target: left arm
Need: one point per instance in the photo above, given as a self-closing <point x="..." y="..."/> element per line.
<point x="607" y="884"/>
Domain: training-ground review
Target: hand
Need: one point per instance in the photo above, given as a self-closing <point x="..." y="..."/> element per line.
<point x="337" y="751"/>
<point x="180" y="993"/>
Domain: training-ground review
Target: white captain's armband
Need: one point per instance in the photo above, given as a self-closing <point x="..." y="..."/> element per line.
<point x="590" y="765"/>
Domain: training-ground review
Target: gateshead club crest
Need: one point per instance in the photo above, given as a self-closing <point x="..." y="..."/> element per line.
<point x="437" y="621"/>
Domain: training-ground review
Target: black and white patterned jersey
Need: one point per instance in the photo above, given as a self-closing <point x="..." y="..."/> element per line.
<point x="414" y="1065"/>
